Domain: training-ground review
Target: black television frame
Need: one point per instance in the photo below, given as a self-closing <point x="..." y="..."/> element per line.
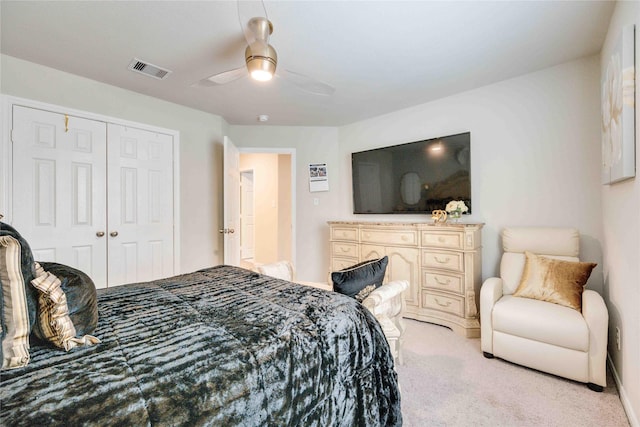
<point x="457" y="148"/>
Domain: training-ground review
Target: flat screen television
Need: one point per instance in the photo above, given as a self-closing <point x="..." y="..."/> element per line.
<point x="412" y="178"/>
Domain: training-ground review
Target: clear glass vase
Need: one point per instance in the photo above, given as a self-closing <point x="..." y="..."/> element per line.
<point x="455" y="216"/>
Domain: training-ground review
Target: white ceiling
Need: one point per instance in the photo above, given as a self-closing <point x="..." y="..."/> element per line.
<point x="381" y="56"/>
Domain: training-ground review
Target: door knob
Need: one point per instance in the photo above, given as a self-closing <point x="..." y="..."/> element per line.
<point x="100" y="233"/>
<point x="231" y="231"/>
<point x="113" y="234"/>
<point x="222" y="230"/>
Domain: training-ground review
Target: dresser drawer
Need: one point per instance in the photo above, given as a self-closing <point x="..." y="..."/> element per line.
<point x="389" y="236"/>
<point x="338" y="264"/>
<point x="344" y="233"/>
<point x="448" y="303"/>
<point x="443" y="281"/>
<point x="442" y="239"/>
<point x="447" y="260"/>
<point x="344" y="249"/>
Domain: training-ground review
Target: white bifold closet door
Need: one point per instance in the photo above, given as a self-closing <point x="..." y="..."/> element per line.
<point x="93" y="195"/>
<point x="140" y="201"/>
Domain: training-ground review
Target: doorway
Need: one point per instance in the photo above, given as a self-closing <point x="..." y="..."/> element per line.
<point x="267" y="207"/>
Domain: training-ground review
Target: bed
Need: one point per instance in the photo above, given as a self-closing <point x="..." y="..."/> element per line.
<point x="221" y="346"/>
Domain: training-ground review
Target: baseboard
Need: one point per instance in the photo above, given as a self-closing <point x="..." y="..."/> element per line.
<point x="626" y="403"/>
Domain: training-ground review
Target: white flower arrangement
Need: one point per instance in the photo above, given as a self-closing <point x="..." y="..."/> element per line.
<point x="457" y="206"/>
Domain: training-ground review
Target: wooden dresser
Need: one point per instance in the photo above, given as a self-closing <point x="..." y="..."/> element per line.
<point x="443" y="264"/>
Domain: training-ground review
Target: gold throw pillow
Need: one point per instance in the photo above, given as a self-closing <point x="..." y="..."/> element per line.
<point x="552" y="280"/>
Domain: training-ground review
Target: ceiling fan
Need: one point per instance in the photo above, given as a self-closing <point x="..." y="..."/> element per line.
<point x="261" y="61"/>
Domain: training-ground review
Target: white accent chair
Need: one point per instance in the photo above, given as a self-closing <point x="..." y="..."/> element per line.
<point x="543" y="335"/>
<point x="386" y="303"/>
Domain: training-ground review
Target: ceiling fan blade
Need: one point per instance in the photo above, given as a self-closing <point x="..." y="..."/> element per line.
<point x="306" y="83"/>
<point x="222" y="78"/>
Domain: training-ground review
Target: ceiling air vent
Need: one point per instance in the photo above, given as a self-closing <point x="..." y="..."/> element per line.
<point x="148" y="69"/>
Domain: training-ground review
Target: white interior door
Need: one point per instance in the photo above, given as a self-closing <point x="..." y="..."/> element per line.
<point x="247" y="216"/>
<point x="231" y="203"/>
<point x="58" y="194"/>
<point x="140" y="179"/>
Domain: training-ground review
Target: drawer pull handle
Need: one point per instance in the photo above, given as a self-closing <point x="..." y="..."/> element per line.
<point x="344" y="234"/>
<point x="367" y="235"/>
<point x="447" y="304"/>
<point x="442" y="282"/>
<point x="345" y="249"/>
<point x="446" y="260"/>
<point x="441" y="239"/>
<point x="405" y="238"/>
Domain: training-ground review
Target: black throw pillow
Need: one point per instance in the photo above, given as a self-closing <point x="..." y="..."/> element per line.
<point x="359" y="280"/>
<point x="81" y="296"/>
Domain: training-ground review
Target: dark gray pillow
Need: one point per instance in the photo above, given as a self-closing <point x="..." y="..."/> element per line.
<point x="81" y="297"/>
<point x="359" y="280"/>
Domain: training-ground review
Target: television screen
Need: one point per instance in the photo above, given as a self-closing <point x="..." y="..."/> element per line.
<point x="417" y="177"/>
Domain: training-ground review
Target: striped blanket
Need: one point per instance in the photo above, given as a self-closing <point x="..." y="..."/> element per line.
<point x="221" y="346"/>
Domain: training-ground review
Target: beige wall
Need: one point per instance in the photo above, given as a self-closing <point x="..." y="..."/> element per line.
<point x="621" y="213"/>
<point x="200" y="144"/>
<point x="266" y="206"/>
<point x="284" y="201"/>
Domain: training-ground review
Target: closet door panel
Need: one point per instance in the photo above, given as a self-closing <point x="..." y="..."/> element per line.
<point x="59" y="188"/>
<point x="140" y="181"/>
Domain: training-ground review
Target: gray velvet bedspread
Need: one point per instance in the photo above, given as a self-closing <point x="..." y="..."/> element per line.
<point x="221" y="346"/>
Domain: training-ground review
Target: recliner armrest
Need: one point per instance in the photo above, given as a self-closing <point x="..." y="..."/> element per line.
<point x="595" y="313"/>
<point x="490" y="293"/>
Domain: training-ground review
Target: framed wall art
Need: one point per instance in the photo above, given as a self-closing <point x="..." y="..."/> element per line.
<point x="618" y="111"/>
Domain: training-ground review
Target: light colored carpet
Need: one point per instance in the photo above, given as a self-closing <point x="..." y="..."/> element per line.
<point x="446" y="381"/>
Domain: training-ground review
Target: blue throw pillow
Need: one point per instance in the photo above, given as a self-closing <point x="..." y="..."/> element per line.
<point x="359" y="280"/>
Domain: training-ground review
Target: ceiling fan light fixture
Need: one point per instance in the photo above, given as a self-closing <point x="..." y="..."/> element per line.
<point x="261" y="75"/>
<point x="261" y="61"/>
<point x="261" y="67"/>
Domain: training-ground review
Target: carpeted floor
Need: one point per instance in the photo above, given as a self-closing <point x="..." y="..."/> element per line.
<point x="445" y="381"/>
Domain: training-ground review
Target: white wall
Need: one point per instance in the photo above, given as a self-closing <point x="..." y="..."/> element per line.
<point x="535" y="153"/>
<point x="621" y="213"/>
<point x="200" y="149"/>
<point x="312" y="145"/>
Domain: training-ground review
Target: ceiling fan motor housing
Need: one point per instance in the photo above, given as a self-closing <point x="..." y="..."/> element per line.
<point x="261" y="62"/>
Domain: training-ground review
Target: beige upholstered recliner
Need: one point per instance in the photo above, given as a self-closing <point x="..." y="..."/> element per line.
<point x="542" y="335"/>
<point x="386" y="303"/>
